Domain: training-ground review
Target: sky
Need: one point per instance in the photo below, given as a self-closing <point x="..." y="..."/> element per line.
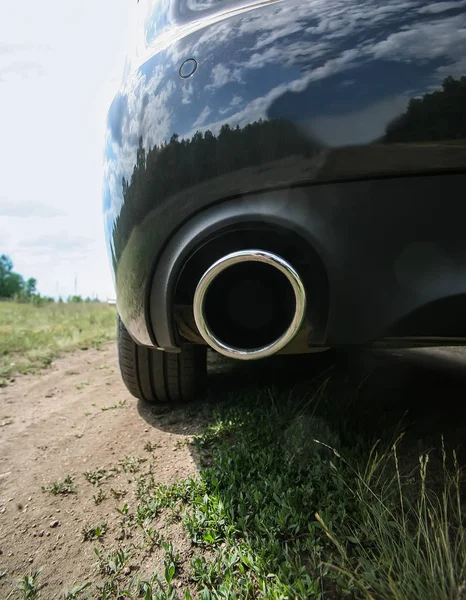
<point x="61" y="63"/>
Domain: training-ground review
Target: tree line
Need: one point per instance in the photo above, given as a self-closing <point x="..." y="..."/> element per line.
<point x="178" y="164"/>
<point x="437" y="116"/>
<point x="164" y="170"/>
<point x="13" y="286"/>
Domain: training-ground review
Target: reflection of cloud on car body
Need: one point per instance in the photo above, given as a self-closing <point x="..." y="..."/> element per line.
<point x="307" y="51"/>
<point x="146" y="97"/>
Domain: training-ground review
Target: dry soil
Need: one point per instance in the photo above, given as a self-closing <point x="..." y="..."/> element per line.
<point x="53" y="425"/>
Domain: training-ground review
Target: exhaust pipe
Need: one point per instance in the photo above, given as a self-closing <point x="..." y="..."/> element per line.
<point x="249" y="304"/>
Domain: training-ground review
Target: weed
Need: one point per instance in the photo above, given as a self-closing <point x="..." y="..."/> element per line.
<point x="126" y="523"/>
<point x="76" y="590"/>
<point x="171" y="561"/>
<point x="124" y="510"/>
<point x="155" y="589"/>
<point x="152" y="537"/>
<point x="120" y="404"/>
<point x="131" y="464"/>
<point x="99" y="476"/>
<point x="118" y="494"/>
<point x="113" y="562"/>
<point x="82" y="385"/>
<point x="207" y="574"/>
<point x="408" y="541"/>
<point x="151" y="446"/>
<point x="99" y="497"/>
<point x="94" y="532"/>
<point x="67" y="486"/>
<point x="28" y="586"/>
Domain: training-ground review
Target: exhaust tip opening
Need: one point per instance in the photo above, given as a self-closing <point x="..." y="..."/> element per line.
<point x="249" y="304"/>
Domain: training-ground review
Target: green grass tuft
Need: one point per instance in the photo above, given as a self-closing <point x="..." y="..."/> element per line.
<point x="94" y="532"/>
<point x="67" y="486"/>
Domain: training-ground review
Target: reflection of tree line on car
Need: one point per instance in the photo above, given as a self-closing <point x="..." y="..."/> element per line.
<point x="436" y="116"/>
<point x="179" y="164"/>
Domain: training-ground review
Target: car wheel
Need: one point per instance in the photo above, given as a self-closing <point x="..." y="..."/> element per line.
<point x="156" y="376"/>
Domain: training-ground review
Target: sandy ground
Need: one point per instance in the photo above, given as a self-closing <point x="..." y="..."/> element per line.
<point x="53" y="425"/>
<point x="56" y="424"/>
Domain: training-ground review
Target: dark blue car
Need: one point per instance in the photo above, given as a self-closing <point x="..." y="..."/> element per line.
<point x="286" y="176"/>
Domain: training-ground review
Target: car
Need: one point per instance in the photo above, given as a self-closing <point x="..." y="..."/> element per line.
<point x="285" y="176"/>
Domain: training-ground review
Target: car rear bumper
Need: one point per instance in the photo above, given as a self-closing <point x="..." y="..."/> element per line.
<point x="313" y="118"/>
<point x="393" y="252"/>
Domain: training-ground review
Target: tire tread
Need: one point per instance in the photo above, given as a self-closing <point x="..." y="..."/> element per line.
<point x="160" y="377"/>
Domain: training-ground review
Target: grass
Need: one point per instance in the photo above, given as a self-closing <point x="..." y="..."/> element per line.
<point x="94" y="532"/>
<point x="99" y="476"/>
<point x="31" y="337"/>
<point x="82" y="385"/>
<point x="150" y="446"/>
<point x="27" y="587"/>
<point x="121" y="404"/>
<point x="99" y="497"/>
<point x="132" y="464"/>
<point x="284" y="507"/>
<point x="299" y="515"/>
<point x="75" y="592"/>
<point x="118" y="494"/>
<point x="67" y="486"/>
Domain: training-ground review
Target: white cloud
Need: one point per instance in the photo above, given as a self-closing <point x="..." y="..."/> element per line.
<point x="221" y="75"/>
<point x="27" y="209"/>
<point x="446" y="37"/>
<point x="57" y="243"/>
<point x="202" y="118"/>
<point x="259" y="60"/>
<point x="199" y="5"/>
<point x="358" y="127"/>
<point x="253" y="111"/>
<point x="186" y="92"/>
<point x="20" y="70"/>
<point x="148" y="111"/>
<point x="157" y="118"/>
<point x="235" y="102"/>
<point x="439" y="7"/>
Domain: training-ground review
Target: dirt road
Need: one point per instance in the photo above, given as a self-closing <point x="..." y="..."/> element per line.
<point x="76" y="417"/>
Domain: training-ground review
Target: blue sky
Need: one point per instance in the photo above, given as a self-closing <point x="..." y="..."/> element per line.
<point x="60" y="64"/>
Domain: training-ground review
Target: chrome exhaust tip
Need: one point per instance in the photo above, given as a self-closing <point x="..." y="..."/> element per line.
<point x="243" y="280"/>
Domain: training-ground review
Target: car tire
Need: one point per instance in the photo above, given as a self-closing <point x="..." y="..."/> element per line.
<point x="160" y="377"/>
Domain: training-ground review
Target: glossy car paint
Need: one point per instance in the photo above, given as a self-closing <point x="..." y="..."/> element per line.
<point x="343" y="119"/>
